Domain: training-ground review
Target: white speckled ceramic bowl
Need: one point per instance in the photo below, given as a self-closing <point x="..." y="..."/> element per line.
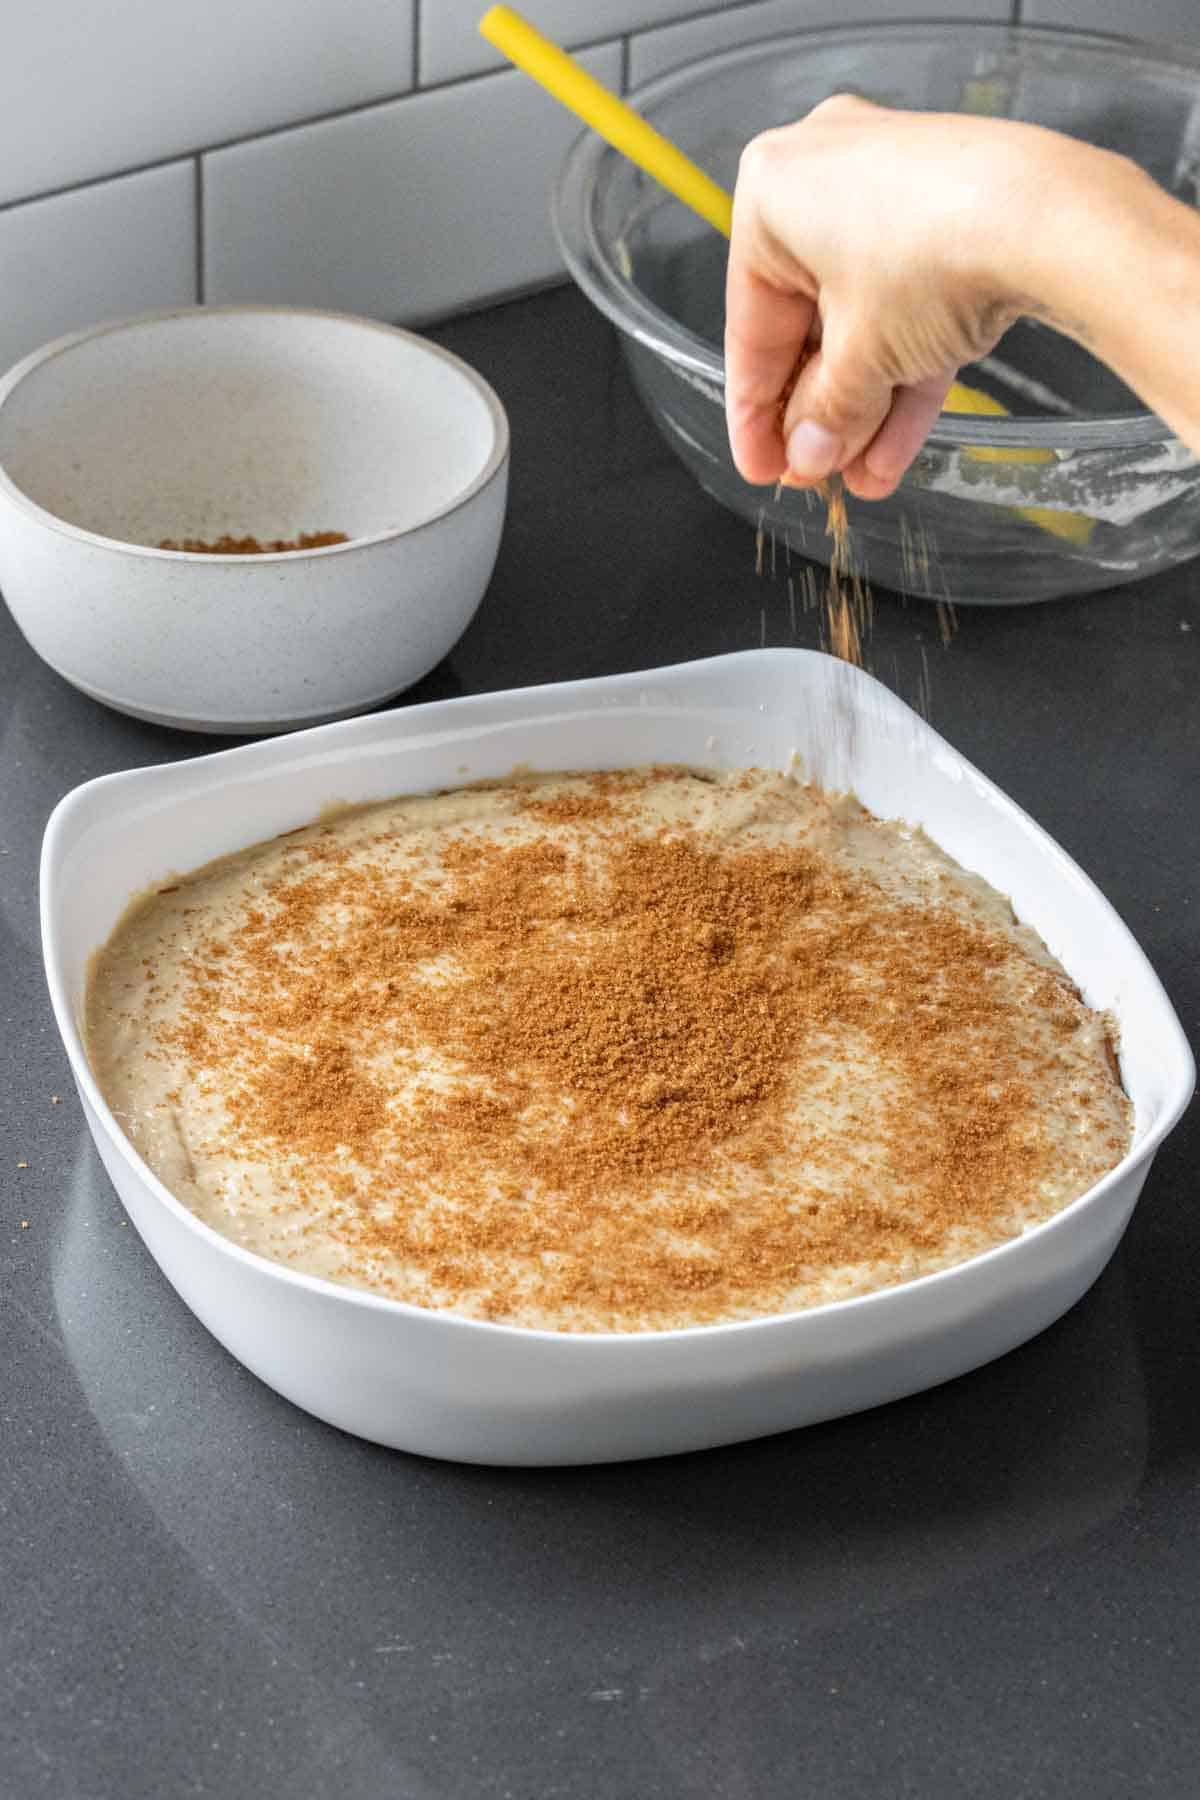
<point x="454" y="1387"/>
<point x="247" y="421"/>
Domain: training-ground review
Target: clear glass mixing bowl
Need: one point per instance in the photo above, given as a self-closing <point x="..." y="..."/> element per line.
<point x="1081" y="487"/>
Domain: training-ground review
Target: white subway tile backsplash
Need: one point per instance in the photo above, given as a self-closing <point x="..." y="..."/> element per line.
<point x="118" y="247"/>
<point x="88" y="91"/>
<point x="450" y="45"/>
<point x="404" y="211"/>
<point x="1161" y="21"/>
<point x="345" y="163"/>
<point x="654" y="53"/>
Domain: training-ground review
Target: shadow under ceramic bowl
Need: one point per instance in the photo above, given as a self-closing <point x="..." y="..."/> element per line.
<point x="1081" y="488"/>
<point x="264" y="422"/>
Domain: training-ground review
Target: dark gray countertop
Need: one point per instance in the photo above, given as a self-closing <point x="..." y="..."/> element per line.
<point x="988" y="1590"/>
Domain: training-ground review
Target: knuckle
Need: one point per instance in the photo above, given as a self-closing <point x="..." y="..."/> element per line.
<point x="846" y="108"/>
<point x="756" y="159"/>
<point x="847" y="405"/>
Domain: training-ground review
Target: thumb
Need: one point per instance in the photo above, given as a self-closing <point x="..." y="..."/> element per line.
<point x="834" y="410"/>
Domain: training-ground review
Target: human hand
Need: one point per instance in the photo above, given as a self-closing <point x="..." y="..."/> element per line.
<point x="878" y="250"/>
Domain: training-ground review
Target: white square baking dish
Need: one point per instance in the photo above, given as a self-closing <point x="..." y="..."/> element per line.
<point x="480" y="1392"/>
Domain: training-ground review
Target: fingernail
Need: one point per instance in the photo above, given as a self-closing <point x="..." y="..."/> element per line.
<point x="812" y="451"/>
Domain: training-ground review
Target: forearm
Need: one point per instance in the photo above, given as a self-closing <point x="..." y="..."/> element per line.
<point x="1114" y="262"/>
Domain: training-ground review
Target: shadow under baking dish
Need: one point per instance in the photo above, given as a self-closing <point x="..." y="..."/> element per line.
<point x="480" y="1392"/>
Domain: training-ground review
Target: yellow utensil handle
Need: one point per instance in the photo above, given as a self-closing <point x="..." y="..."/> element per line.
<point x="598" y="107"/>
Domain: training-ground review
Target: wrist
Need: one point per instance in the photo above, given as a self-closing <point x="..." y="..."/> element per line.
<point x="1129" y="288"/>
<point x="1093" y="232"/>
<point x="1047" y="198"/>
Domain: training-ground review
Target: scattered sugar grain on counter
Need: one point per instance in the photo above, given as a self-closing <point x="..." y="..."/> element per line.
<point x="947" y="618"/>
<point x="925" y="688"/>
<point x="915" y="557"/>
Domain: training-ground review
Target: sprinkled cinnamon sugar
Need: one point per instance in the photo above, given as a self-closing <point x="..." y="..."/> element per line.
<point x="251" y="546"/>
<point x="848" y="601"/>
<point x="848" y="604"/>
<point x="613" y="1052"/>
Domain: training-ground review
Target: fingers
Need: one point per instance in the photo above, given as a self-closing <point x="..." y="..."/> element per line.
<point x="835" y="410"/>
<point x="838" y="418"/>
<point x="765" y="328"/>
<point x="878" y="471"/>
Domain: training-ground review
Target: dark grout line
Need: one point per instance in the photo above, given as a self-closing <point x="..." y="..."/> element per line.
<point x="198" y="193"/>
<point x="711" y="10"/>
<point x="504" y="67"/>
<point x="416" y="42"/>
<point x="714" y="10"/>
<point x="272" y="131"/>
<point x="92" y="181"/>
<point x="625" y="58"/>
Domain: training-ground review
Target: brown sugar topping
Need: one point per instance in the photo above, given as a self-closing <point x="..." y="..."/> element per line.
<point x="561" y="1072"/>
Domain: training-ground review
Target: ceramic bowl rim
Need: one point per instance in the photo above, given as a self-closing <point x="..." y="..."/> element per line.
<point x="496" y="459"/>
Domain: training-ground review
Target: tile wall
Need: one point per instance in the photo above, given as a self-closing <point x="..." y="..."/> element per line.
<point x="371" y="155"/>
